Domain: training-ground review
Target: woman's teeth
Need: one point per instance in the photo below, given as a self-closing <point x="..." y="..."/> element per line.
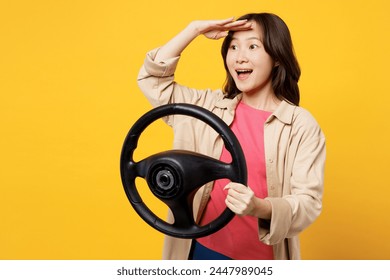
<point x="240" y="72"/>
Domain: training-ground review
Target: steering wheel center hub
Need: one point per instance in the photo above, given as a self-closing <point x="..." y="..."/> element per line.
<point x="164" y="180"/>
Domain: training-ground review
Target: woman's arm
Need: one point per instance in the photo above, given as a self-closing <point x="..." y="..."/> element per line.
<point x="156" y="76"/>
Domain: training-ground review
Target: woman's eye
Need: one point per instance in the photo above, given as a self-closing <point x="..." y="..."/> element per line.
<point x="233" y="47"/>
<point x="253" y="46"/>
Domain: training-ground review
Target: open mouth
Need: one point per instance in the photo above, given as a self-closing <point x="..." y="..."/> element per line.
<point x="243" y="73"/>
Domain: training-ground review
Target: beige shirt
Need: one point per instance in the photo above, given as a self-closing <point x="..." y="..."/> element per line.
<point x="294" y="151"/>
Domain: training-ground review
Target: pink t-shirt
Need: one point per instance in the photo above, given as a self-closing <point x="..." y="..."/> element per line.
<point x="239" y="239"/>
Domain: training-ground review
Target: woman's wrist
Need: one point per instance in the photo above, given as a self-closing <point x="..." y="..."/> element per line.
<point x="194" y="29"/>
<point x="262" y="209"/>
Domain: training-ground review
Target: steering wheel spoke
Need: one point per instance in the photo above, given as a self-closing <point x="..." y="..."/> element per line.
<point x="182" y="213"/>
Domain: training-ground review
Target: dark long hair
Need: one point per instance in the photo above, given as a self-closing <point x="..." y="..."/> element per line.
<point x="278" y="44"/>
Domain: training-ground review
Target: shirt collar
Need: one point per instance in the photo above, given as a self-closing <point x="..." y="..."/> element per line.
<point x="284" y="112"/>
<point x="227" y="103"/>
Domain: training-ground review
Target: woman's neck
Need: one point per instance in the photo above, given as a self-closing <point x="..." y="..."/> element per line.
<point x="262" y="101"/>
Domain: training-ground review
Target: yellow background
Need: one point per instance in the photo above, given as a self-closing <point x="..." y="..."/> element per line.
<point x="68" y="96"/>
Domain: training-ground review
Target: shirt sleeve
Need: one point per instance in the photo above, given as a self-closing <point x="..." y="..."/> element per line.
<point x="296" y="210"/>
<point x="156" y="80"/>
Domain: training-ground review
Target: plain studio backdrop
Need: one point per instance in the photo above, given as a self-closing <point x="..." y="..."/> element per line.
<point x="68" y="96"/>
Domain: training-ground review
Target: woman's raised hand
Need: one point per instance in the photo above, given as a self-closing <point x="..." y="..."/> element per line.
<point x="217" y="29"/>
<point x="212" y="29"/>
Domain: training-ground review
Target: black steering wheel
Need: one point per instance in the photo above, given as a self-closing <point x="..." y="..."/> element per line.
<point x="174" y="176"/>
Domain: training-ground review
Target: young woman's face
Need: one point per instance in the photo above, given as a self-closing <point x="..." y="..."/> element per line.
<point x="248" y="62"/>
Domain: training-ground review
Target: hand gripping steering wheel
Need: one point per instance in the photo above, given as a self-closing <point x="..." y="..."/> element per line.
<point x="174" y="176"/>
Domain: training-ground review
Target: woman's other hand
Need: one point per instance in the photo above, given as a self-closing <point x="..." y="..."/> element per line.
<point x="242" y="201"/>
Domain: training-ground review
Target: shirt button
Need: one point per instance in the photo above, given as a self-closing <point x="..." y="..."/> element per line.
<point x="270" y="160"/>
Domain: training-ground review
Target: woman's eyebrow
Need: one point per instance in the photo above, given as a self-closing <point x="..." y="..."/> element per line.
<point x="253" y="38"/>
<point x="248" y="39"/>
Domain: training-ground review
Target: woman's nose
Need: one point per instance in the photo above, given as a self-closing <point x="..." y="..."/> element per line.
<point x="241" y="57"/>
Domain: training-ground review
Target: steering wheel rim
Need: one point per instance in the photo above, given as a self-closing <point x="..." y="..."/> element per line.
<point x="168" y="176"/>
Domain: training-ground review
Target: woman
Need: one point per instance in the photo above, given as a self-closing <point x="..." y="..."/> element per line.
<point x="283" y="145"/>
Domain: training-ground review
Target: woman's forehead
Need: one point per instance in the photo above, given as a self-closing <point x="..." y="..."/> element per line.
<point x="255" y="33"/>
